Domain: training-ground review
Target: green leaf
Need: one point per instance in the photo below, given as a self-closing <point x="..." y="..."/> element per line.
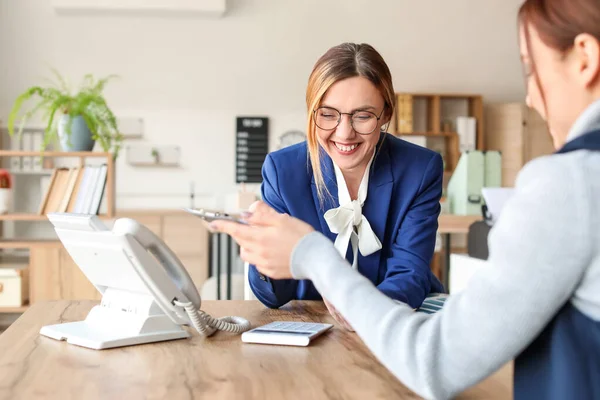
<point x="87" y="102"/>
<point x="17" y="106"/>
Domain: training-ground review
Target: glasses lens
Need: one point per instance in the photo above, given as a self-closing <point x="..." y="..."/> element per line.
<point x="364" y="122"/>
<point x="327" y="118"/>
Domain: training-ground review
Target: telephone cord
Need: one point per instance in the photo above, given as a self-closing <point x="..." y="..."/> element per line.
<point x="207" y="325"/>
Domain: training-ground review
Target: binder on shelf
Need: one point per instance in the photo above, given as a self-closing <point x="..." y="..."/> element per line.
<point x="493" y="169"/>
<point x="475" y="170"/>
<point x="37" y="141"/>
<point x="466" y="127"/>
<point x="404" y="120"/>
<point x="27" y="145"/>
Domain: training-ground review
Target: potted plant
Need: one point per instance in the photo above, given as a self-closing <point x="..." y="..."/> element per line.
<point x="76" y="119"/>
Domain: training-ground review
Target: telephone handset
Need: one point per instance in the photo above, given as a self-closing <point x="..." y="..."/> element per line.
<point x="204" y="323"/>
<point x="146" y="291"/>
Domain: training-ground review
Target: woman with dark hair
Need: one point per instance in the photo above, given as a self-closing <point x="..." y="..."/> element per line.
<point x="538" y="302"/>
<point x="372" y="194"/>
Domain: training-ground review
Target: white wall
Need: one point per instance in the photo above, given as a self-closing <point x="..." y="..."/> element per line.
<point x="188" y="76"/>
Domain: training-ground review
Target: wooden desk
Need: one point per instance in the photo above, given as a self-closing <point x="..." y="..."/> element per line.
<point x="447" y="225"/>
<point x="335" y="366"/>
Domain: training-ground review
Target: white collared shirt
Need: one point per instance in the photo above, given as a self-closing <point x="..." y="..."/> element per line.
<point x="348" y="221"/>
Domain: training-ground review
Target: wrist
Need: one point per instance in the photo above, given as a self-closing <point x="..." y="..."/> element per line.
<point x="304" y="250"/>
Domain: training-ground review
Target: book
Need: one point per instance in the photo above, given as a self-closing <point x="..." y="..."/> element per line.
<point x="89" y="190"/>
<point x="70" y="186"/>
<point x="56" y="191"/>
<point x="98" y="190"/>
<point x="75" y="194"/>
<point x="47" y="187"/>
<point x="83" y="190"/>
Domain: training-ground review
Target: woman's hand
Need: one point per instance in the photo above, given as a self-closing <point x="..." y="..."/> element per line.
<point x="337" y="316"/>
<point x="268" y="240"/>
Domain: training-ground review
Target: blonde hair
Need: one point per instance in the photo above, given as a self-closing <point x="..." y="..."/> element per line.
<point x="346" y="60"/>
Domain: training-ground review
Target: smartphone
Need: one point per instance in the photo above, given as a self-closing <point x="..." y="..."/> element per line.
<point x="210" y="216"/>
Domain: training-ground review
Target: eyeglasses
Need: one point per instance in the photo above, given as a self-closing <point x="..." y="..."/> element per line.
<point x="363" y="122"/>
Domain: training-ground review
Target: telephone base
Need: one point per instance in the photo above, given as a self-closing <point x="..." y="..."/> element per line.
<point x="98" y="332"/>
<point x="80" y="334"/>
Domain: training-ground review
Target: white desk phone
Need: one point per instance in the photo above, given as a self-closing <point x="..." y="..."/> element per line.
<point x="147" y="294"/>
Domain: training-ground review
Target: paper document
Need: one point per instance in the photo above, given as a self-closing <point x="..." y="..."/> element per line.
<point x="495" y="198"/>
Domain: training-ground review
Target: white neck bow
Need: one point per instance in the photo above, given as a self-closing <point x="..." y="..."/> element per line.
<point x="348" y="222"/>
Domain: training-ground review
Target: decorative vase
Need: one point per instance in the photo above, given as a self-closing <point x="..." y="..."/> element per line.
<point x="80" y="137"/>
<point x="5" y="200"/>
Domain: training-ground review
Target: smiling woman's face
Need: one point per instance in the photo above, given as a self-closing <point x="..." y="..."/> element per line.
<point x="348" y="149"/>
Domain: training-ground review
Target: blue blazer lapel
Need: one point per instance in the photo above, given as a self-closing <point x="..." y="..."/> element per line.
<point x="328" y="202"/>
<point x="375" y="209"/>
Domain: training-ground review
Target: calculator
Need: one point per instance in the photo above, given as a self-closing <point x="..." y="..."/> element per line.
<point x="286" y="333"/>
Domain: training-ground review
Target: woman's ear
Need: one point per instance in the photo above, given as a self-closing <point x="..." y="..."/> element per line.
<point x="587" y="55"/>
<point x="387" y="118"/>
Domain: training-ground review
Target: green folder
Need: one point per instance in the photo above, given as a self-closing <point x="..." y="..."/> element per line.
<point x="475" y="170"/>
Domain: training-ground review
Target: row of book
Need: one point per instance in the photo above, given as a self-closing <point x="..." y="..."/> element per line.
<point x="75" y="190"/>
<point x="404" y="113"/>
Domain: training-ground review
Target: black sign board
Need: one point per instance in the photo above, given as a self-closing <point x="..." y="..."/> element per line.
<point x="252" y="146"/>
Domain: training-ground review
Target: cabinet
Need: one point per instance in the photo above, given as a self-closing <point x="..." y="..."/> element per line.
<point x="519" y="133"/>
<point x="54" y="275"/>
<point x="187" y="236"/>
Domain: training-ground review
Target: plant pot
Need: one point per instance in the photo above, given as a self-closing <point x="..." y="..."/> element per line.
<point x="80" y="137"/>
<point x="5" y="200"/>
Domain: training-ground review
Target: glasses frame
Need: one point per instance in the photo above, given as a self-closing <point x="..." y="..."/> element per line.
<point x="351" y="119"/>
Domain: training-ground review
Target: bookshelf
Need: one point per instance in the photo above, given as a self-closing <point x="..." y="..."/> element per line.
<point x="66" y="193"/>
<point x="109" y="193"/>
<point x="434" y="117"/>
<point x="14" y="310"/>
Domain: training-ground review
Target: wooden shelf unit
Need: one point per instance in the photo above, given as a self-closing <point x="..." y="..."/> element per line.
<point x="14" y="310"/>
<point x="46" y="245"/>
<point x="25" y="243"/>
<point x="34" y="217"/>
<point x="431" y="115"/>
<point x="427" y="134"/>
<point x="82" y="156"/>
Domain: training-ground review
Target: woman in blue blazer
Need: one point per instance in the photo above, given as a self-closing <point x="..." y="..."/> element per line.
<point x="537" y="301"/>
<point x="374" y="195"/>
